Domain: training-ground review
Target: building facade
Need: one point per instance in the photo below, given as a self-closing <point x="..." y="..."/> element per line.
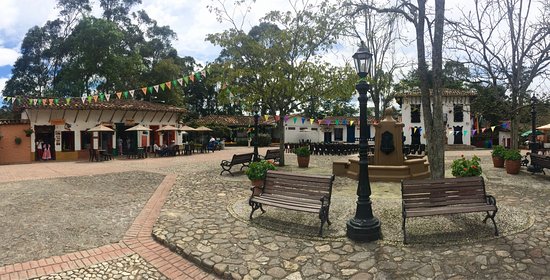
<point x="457" y="117"/>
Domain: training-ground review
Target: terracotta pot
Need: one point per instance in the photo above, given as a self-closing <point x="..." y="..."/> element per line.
<point x="513" y="166"/>
<point x="498" y="162"/>
<point x="257" y="183"/>
<point x="303" y="162"/>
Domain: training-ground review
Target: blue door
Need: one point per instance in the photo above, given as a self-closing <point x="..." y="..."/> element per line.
<point x="351" y="134"/>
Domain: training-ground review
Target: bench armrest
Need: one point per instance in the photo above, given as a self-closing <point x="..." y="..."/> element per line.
<point x="491" y="200"/>
<point x="225" y="162"/>
<point x="256" y="191"/>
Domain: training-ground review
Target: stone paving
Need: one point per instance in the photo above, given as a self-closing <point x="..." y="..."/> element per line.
<point x="196" y="223"/>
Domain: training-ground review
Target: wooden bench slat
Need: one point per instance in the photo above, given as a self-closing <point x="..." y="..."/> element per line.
<point x="449" y="210"/>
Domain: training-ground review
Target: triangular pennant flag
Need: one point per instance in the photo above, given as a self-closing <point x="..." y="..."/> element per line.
<point x="126" y="94"/>
<point x="156" y="87"/>
<point x="50" y="100"/>
<point x="30" y="101"/>
<point x="414" y="130"/>
<point x="180" y="81"/>
<point x="483" y="130"/>
<point x="303" y="120"/>
<point x="286" y="118"/>
<point x="319" y="121"/>
<point x="107" y="96"/>
<point x="277" y="118"/>
<point x="266" y="117"/>
<point x="169" y="84"/>
<point x="56" y="101"/>
<point x="192" y="78"/>
<point x="474" y="132"/>
<point x="493" y="128"/>
<point x="119" y="94"/>
<point x="203" y="73"/>
<point x="83" y="99"/>
<point x="131" y="93"/>
<point x="311" y="121"/>
<point x="186" y="79"/>
<point x="174" y="83"/>
<point x="150" y="89"/>
<point x="95" y="98"/>
<point x="327" y="122"/>
<point x="295" y="119"/>
<point x="350" y="122"/>
<point x="337" y="122"/>
<point x="208" y="71"/>
<point x="344" y="122"/>
<point x="198" y="76"/>
<point x="162" y="86"/>
<point x="450" y="132"/>
<point x="89" y="99"/>
<point x="465" y="132"/>
<point x="13" y="100"/>
<point x="144" y="89"/>
<point x="101" y="96"/>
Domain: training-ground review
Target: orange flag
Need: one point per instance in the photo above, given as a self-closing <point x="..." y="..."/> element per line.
<point x="169" y="85"/>
<point x="95" y="98"/>
<point x="119" y="94"/>
<point x="192" y="78"/>
<point x="144" y="89"/>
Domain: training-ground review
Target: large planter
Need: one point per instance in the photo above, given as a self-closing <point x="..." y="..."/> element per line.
<point x="303" y="162"/>
<point x="257" y="186"/>
<point x="498" y="162"/>
<point x="513" y="166"/>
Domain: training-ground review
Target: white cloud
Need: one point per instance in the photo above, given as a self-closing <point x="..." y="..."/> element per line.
<point x="2" y="84"/>
<point x="7" y="56"/>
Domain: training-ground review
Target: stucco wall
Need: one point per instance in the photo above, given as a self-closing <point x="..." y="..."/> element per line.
<point x="10" y="152"/>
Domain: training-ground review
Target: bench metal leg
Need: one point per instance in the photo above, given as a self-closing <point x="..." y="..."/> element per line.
<point x="323" y="215"/>
<point x="404" y="231"/>
<point x="492" y="217"/>
<point x="225" y="169"/>
<point x="255" y="206"/>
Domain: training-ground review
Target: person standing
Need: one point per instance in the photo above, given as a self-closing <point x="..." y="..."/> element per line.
<point x="120" y="146"/>
<point x="39" y="150"/>
<point x="46" y="154"/>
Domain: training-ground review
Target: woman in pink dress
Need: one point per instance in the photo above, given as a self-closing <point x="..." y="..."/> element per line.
<point x="46" y="154"/>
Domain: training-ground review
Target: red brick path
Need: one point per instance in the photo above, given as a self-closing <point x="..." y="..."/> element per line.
<point x="136" y="240"/>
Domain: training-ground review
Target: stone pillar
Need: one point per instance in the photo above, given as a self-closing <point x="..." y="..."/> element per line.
<point x="388" y="147"/>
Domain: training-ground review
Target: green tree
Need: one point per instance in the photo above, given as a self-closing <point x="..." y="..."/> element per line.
<point x="275" y="63"/>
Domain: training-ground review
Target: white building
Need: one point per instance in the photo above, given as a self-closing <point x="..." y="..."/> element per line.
<point x="457" y="117"/>
<point x="64" y="126"/>
<point x="330" y="129"/>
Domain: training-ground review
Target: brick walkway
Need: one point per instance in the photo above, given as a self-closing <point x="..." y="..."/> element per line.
<point x="136" y="240"/>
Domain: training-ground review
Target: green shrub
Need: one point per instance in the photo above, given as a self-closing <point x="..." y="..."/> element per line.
<point x="258" y="170"/>
<point x="498" y="151"/>
<point x="512" y="155"/>
<point x="302" y="151"/>
<point x="463" y="167"/>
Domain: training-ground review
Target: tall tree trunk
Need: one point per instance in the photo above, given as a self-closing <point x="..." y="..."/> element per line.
<point x="281" y="126"/>
<point x="437" y="135"/>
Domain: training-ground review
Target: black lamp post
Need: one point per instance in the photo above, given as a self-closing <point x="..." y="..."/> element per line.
<point x="364" y="226"/>
<point x="256" y="109"/>
<point x="533" y="143"/>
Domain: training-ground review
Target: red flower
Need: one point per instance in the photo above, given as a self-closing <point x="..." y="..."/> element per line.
<point x="465" y="169"/>
<point x="474" y="167"/>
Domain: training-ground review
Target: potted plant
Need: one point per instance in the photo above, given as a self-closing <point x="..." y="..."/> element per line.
<point x="303" y="154"/>
<point x="512" y="161"/>
<point x="257" y="170"/>
<point x="463" y="167"/>
<point x="28" y="132"/>
<point x="498" y="155"/>
<point x="18" y="140"/>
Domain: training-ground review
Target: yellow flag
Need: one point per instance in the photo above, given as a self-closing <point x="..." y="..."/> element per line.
<point x="266" y="117"/>
<point x="493" y="128"/>
<point x="351" y="122"/>
<point x="311" y="121"/>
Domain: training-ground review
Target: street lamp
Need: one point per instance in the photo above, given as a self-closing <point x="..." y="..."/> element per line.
<point x="256" y="109"/>
<point x="533" y="143"/>
<point x="364" y="226"/>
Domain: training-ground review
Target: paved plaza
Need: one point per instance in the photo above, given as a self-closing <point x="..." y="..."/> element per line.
<point x="194" y="225"/>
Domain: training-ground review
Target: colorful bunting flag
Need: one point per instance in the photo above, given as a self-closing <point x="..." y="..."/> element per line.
<point x="51" y="101"/>
<point x="303" y="120"/>
<point x="286" y="118"/>
<point x="119" y="94"/>
<point x="156" y="87"/>
<point x="493" y="128"/>
<point x="311" y="121"/>
<point x="180" y="81"/>
<point x="192" y="78"/>
<point x="83" y="99"/>
<point x="89" y="99"/>
<point x="337" y="122"/>
<point x="131" y="93"/>
<point x="295" y="119"/>
<point x="169" y="85"/>
<point x="126" y="94"/>
<point x="266" y="117"/>
<point x="162" y="86"/>
<point x="95" y="98"/>
<point x="144" y="89"/>
<point x="107" y="96"/>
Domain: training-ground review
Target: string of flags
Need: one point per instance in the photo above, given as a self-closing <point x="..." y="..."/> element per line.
<point x="126" y="94"/>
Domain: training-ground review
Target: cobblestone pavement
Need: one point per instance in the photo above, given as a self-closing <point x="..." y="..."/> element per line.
<point x="196" y="223"/>
<point x="199" y="222"/>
